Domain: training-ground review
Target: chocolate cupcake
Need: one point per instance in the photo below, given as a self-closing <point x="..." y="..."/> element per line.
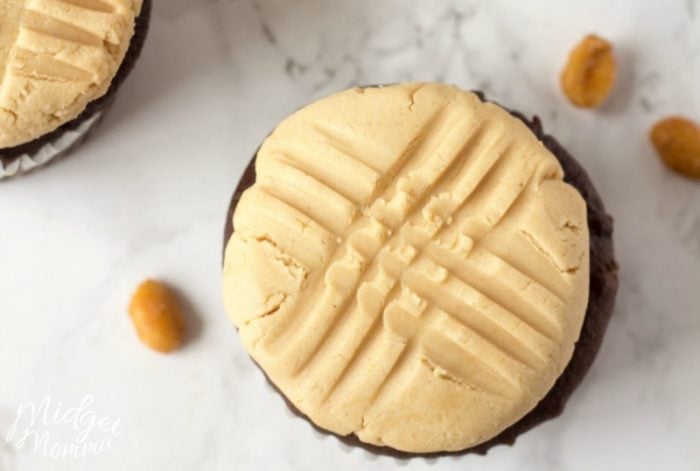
<point x="418" y="271"/>
<point x="62" y="63"/>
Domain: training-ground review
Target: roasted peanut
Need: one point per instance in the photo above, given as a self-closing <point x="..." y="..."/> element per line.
<point x="590" y="72"/>
<point x="677" y="141"/>
<point x="157" y="317"/>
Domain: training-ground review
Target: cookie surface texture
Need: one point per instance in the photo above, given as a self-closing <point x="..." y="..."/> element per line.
<point x="409" y="266"/>
<point x="56" y="56"/>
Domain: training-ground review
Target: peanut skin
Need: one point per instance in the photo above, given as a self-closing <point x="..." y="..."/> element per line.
<point x="589" y="74"/>
<point x="157" y="316"/>
<point x="677" y="141"/>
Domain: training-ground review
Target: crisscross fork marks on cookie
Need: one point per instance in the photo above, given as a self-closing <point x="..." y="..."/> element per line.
<point x="387" y="211"/>
<point x="363" y="223"/>
<point x="43" y="29"/>
<point x="524" y="356"/>
<point x="413" y="309"/>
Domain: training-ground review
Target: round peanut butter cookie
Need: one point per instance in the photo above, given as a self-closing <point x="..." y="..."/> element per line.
<point x="409" y="268"/>
<point x="60" y="63"/>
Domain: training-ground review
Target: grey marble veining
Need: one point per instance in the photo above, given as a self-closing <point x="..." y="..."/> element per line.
<point x="147" y="194"/>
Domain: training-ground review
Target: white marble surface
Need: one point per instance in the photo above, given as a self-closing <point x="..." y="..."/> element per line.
<point x="146" y="196"/>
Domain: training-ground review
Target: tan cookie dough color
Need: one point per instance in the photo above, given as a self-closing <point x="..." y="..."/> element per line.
<point x="56" y="56"/>
<point x="409" y="266"/>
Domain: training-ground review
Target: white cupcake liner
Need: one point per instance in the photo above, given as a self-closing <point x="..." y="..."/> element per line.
<point x="49" y="151"/>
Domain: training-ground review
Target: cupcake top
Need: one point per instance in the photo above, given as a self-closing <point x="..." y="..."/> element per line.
<point x="56" y="56"/>
<point x="409" y="266"/>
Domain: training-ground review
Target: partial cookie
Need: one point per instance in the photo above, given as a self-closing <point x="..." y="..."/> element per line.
<point x="63" y="63"/>
<point x="460" y="217"/>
